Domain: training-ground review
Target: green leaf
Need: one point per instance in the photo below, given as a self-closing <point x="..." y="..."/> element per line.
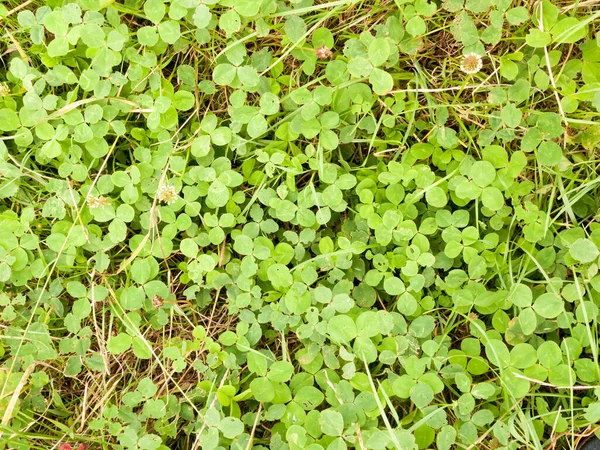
<point x="517" y="15"/>
<point x="446" y="437"/>
<point x="332" y="423"/>
<point x="592" y="413"/>
<point x="511" y="115"/>
<point x="262" y="389"/>
<point x="584" y="251"/>
<point x="58" y="47"/>
<point x="394" y="286"/>
<point x="95" y="362"/>
<point x="309" y="397"/>
<point x="9" y="120"/>
<point x="73" y="367"/>
<point x="154" y="409"/>
<point x="520" y="91"/>
<point x="497" y="353"/>
<point x="82" y="308"/>
<point x="51" y="149"/>
<point x="140" y="271"/>
<point x="549" y="354"/>
<point x="341" y="329"/>
<point x="436" y="197"/>
<point x="147" y="36"/>
<point x="257" y="363"/>
<point x="295" y="28"/>
<point x="549" y="153"/>
<point x="549" y="125"/>
<point x="88" y="80"/>
<point x="92" y="35"/>
<point x="279" y="275"/>
<point x="169" y="31"/>
<point x="381" y="81"/>
<point x="568" y="31"/>
<point x="218" y="193"/>
<point x="465" y="30"/>
<point x="257" y="126"/>
<point x="547" y="11"/>
<point x="119" y="343"/>
<point x="55" y="23"/>
<point x="224" y="74"/>
<point x="522" y="356"/>
<point x="425" y="8"/>
<point x="247" y="8"/>
<point x="492" y="198"/>
<point x="520" y="295"/>
<point x="322" y="37"/>
<point x="154" y="10"/>
<point x="230" y="22"/>
<point x="421" y="395"/>
<point x="231" y="427"/>
<point x="379" y="51"/>
<point x="147" y="388"/>
<point x="280" y="371"/>
<point x="416" y="26"/>
<point x="495" y="155"/>
<point x="482" y="173"/>
<point x="183" y="100"/>
<point x="248" y="76"/>
<point x="206" y="263"/>
<point x="201" y="146"/>
<point x="537" y="38"/>
<point x="149" y="442"/>
<point x="422" y="150"/>
<point x="528" y="321"/>
<point x="548" y="305"/>
<point x="202" y="16"/>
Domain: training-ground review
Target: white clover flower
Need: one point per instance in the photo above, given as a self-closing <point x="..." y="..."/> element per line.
<point x="96" y="202"/>
<point x="166" y="193"/>
<point x="4" y="89"/>
<point x="471" y="63"/>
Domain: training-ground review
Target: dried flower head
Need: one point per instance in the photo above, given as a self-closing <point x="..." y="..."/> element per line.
<point x="157" y="301"/>
<point x="166" y="193"/>
<point x="4" y="89"/>
<point x="68" y="447"/>
<point x="323" y="52"/>
<point x="96" y="202"/>
<point x="471" y="63"/>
